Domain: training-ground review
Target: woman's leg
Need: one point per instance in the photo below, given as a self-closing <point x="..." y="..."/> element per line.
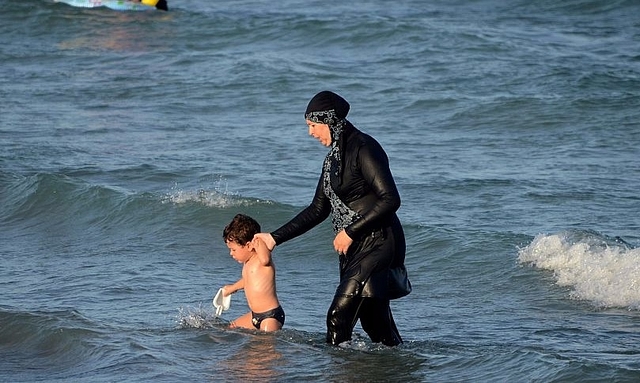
<point x="377" y="321"/>
<point x="343" y="312"/>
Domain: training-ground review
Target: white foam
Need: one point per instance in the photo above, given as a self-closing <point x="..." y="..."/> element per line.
<point x="209" y="198"/>
<point x="195" y="317"/>
<point x="606" y="275"/>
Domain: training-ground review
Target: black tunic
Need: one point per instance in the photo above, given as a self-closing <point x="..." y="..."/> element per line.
<point x="376" y="258"/>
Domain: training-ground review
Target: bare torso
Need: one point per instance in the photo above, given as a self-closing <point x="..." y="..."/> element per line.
<point x="260" y="285"/>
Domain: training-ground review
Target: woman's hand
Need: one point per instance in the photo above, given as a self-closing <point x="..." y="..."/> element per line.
<point x="267" y="239"/>
<point x="342" y="242"/>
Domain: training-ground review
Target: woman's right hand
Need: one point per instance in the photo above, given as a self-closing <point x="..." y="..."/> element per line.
<point x="267" y="238"/>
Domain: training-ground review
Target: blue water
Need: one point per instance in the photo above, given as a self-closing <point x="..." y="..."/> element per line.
<point x="128" y="141"/>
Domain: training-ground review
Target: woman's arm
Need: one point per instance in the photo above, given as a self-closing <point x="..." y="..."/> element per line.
<point x="374" y="166"/>
<point x="311" y="216"/>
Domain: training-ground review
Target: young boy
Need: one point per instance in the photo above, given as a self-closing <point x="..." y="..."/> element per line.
<point x="258" y="276"/>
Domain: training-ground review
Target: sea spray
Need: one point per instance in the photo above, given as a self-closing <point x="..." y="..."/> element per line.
<point x="196" y="317"/>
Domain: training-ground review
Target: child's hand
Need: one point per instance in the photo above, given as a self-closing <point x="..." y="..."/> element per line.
<point x="226" y="290"/>
<point x="257" y="244"/>
<point x="268" y="240"/>
<point x="261" y="249"/>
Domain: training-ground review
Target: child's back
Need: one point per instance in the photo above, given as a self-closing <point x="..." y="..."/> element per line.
<point x="259" y="274"/>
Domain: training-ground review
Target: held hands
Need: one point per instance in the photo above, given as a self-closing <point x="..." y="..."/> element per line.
<point x="258" y="244"/>
<point x="342" y="242"/>
<point x="267" y="239"/>
<point x="262" y="252"/>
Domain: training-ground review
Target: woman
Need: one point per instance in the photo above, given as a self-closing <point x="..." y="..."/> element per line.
<point x="356" y="187"/>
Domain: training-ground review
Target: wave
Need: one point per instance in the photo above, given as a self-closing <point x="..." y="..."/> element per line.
<point x="599" y="269"/>
<point x="533" y="9"/>
<point x="57" y="340"/>
<point x="47" y="198"/>
<point x="587" y="7"/>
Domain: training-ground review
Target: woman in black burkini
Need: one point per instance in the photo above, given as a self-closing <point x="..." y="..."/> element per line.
<point x="356" y="187"/>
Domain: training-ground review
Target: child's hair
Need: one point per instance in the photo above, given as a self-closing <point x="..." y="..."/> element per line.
<point x="241" y="229"/>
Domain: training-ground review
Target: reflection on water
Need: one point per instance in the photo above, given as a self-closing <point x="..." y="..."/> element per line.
<point x="292" y="355"/>
<point x="106" y="30"/>
<point x="257" y="359"/>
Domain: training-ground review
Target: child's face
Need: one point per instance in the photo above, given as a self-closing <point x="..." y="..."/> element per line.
<point x="240" y="253"/>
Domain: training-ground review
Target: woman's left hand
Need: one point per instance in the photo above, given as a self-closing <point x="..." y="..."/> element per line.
<point x="342" y="242"/>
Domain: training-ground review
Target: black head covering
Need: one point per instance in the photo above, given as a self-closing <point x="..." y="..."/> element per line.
<point x="326" y="101"/>
<point x="328" y="108"/>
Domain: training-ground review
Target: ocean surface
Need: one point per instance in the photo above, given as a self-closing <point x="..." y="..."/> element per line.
<point x="129" y="139"/>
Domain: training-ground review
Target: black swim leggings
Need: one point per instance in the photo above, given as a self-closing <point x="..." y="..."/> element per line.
<point x="375" y="318"/>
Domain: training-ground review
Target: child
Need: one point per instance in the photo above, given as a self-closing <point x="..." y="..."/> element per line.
<point x="258" y="276"/>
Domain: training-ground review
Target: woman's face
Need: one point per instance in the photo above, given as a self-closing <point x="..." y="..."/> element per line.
<point x="321" y="132"/>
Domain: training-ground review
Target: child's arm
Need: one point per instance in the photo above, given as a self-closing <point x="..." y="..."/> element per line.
<point x="263" y="253"/>
<point x="230" y="289"/>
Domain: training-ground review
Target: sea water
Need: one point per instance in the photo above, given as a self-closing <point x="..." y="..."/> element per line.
<point x="128" y="141"/>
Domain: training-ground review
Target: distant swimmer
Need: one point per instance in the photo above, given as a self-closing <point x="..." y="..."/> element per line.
<point x="159" y="4"/>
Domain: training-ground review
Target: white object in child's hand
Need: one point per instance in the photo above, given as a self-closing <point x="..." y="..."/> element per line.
<point x="221" y="303"/>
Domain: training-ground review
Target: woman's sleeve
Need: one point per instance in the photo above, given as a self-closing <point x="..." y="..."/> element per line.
<point x="374" y="165"/>
<point x="308" y="218"/>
